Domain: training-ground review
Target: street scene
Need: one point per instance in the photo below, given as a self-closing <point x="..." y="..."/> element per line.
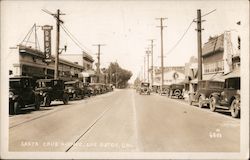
<point x="137" y="77"/>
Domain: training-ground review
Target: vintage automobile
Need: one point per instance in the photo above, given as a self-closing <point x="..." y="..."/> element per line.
<point x="50" y="90"/>
<point x="165" y="90"/>
<point x="75" y="89"/>
<point x="109" y="87"/>
<point x="96" y="88"/>
<point x="88" y="91"/>
<point x="204" y="90"/>
<point x="144" y="89"/>
<point x="175" y="90"/>
<point x="229" y="98"/>
<point x="22" y="95"/>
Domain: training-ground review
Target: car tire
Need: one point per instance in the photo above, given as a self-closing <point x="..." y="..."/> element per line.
<point x="37" y="104"/>
<point x="190" y="100"/>
<point x="212" y="104"/>
<point x="16" y="107"/>
<point x="200" y="104"/>
<point x="11" y="109"/>
<point x="65" y="99"/>
<point x="234" y="109"/>
<point x="47" y="101"/>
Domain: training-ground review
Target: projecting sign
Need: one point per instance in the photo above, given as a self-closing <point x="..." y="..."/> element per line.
<point x="47" y="42"/>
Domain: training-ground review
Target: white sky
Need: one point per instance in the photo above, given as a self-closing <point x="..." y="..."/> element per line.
<point x="124" y="26"/>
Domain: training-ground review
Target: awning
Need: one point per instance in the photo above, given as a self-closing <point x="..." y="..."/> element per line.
<point x="88" y="73"/>
<point x="215" y="77"/>
<point x="234" y="73"/>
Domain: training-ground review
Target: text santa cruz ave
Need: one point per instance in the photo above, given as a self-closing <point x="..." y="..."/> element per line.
<point x="56" y="104"/>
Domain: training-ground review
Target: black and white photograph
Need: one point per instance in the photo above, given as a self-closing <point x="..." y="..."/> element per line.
<point x="124" y="79"/>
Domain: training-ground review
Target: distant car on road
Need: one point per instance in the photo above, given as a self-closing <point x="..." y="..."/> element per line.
<point x="50" y="90"/>
<point x="175" y="90"/>
<point x="75" y="89"/>
<point x="144" y="89"/>
<point x="229" y="98"/>
<point x="204" y="90"/>
<point x="165" y="90"/>
<point x="22" y="94"/>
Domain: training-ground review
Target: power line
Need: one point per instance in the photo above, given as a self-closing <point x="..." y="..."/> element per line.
<point x="75" y="40"/>
<point x="177" y="43"/>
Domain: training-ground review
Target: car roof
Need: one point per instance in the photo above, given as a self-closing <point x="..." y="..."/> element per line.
<point x="21" y="77"/>
<point x="71" y="82"/>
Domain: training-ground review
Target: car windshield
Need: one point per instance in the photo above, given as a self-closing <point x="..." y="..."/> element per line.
<point x="70" y="85"/>
<point x="145" y="84"/>
<point x="15" y="84"/>
<point x="44" y="84"/>
<point x="232" y="83"/>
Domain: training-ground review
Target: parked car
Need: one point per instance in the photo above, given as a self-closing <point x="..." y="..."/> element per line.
<point x="22" y="94"/>
<point x="50" y="90"/>
<point x="96" y="88"/>
<point x="88" y="91"/>
<point x="175" y="90"/>
<point x="229" y="98"/>
<point x="109" y="87"/>
<point x="204" y="90"/>
<point x="165" y="90"/>
<point x="75" y="89"/>
<point x="144" y="89"/>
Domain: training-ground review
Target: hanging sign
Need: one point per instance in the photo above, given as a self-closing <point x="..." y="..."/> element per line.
<point x="47" y="42"/>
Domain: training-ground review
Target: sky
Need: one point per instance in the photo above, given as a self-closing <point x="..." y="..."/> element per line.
<point x="125" y="27"/>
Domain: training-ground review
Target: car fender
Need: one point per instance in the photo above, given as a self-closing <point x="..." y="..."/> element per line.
<point x="216" y="96"/>
<point x="15" y="98"/>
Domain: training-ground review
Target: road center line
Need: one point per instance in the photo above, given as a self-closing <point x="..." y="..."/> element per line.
<point x="135" y="121"/>
<point x="88" y="128"/>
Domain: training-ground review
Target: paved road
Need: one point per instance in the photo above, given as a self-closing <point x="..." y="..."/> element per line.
<point x="124" y="121"/>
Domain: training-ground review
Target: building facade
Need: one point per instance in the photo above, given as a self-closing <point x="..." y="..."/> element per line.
<point x="220" y="55"/>
<point x="172" y="75"/>
<point x="30" y="62"/>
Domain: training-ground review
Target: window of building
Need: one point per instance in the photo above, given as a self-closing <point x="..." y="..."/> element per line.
<point x="214" y="67"/>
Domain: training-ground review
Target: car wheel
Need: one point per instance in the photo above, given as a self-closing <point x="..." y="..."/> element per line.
<point x="37" y="104"/>
<point x="212" y="104"/>
<point x="47" y="101"/>
<point x="11" y="109"/>
<point x="65" y="99"/>
<point x="17" y="107"/>
<point x="190" y="100"/>
<point x="200" y="103"/>
<point x="235" y="109"/>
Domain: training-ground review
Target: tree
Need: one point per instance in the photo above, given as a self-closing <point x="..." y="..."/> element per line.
<point x="118" y="76"/>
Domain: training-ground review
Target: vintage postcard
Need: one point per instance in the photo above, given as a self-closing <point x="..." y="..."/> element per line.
<point x="124" y="79"/>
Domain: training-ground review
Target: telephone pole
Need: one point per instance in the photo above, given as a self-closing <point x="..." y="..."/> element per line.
<point x="199" y="29"/>
<point x="162" y="64"/>
<point x="152" y="61"/>
<point x="144" y="74"/>
<point x="58" y="22"/>
<point x="148" y="53"/>
<point x="98" y="61"/>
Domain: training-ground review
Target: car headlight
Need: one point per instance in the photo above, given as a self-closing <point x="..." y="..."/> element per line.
<point x="11" y="94"/>
<point x="238" y="91"/>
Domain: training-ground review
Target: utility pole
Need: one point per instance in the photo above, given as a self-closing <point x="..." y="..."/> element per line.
<point x="199" y="29"/>
<point x="148" y="53"/>
<point x="152" y="62"/>
<point x="162" y="64"/>
<point x="98" y="61"/>
<point x="58" y="22"/>
<point x="144" y="74"/>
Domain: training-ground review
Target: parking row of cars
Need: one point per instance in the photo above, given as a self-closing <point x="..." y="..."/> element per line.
<point x="210" y="93"/>
<point x="218" y="95"/>
<point x="25" y="92"/>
